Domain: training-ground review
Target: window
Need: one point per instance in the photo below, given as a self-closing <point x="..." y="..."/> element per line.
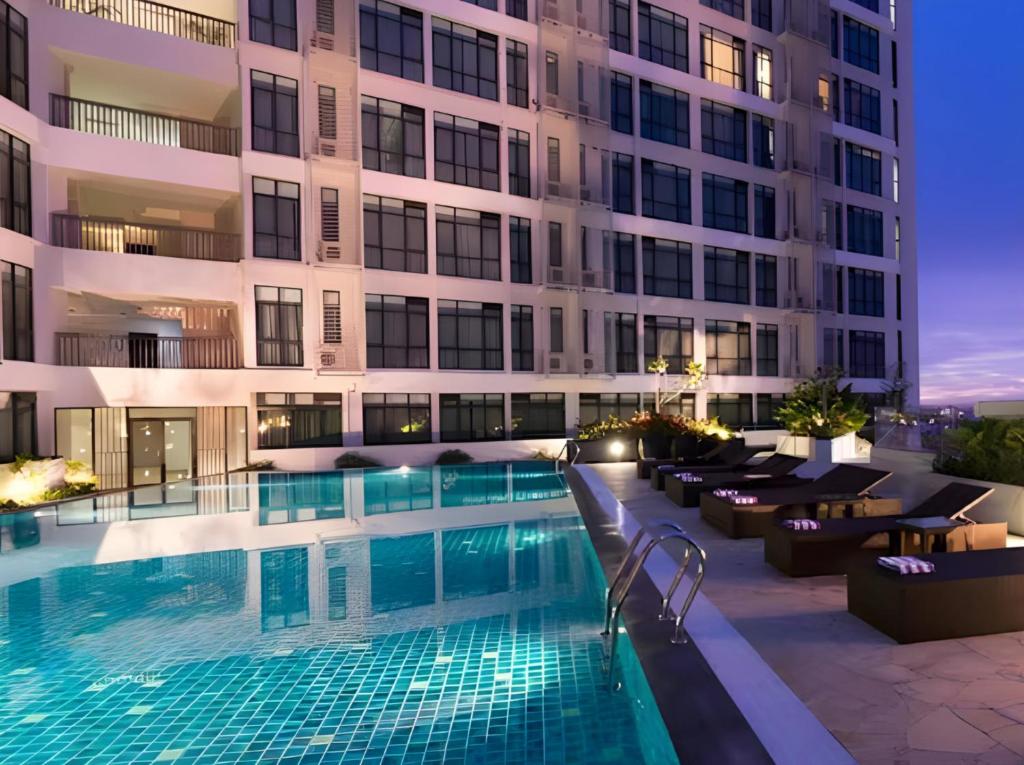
<point x="13" y="57"/>
<point x="768" y="405"/>
<point x="329" y="221"/>
<point x="278" y="327"/>
<point x="899" y="297"/>
<point x="726" y="275"/>
<point x="551" y="73"/>
<point x="668" y="268"/>
<point x="725" y="203"/>
<point x="768" y="350"/>
<point x="766" y="281"/>
<point x="832" y="356"/>
<point x="665" y="190"/>
<point x="860" y="44"/>
<point x="761" y="14"/>
<point x="625" y="342"/>
<point x="664" y="114"/>
<point x="18" y="424"/>
<point x="298" y="420"/>
<point x="595" y="407"/>
<point x="723" y="130"/>
<point x="624" y="262"/>
<point x="522" y="338"/>
<point x="622" y="102"/>
<point x="683" y="405"/>
<point x="871" y="5"/>
<point x="468" y="243"/>
<point x="763" y="72"/>
<point x="393" y="137"/>
<point x="469" y="335"/>
<point x="896" y="238"/>
<point x="518" y="162"/>
<point x="722" y="57"/>
<point x="622" y="184"/>
<point x="472" y="416"/>
<point x="895" y="69"/>
<point x="275" y="219"/>
<point x="554" y="162"/>
<point x="394" y="234"/>
<point x="863" y="169"/>
<point x="867" y="354"/>
<point x="15" y="182"/>
<point x="895" y="180"/>
<point x="490" y="5"/>
<point x="863" y="230"/>
<point x="396" y="418"/>
<point x="734" y="409"/>
<point x="517" y="74"/>
<point x="275" y="114"/>
<point x="619" y="37"/>
<point x="538" y="415"/>
<point x="273" y="22"/>
<point x="863" y="106"/>
<point x="670" y="337"/>
<point x="555" y="335"/>
<point x="16" y="312"/>
<point x="520" y="250"/>
<point x="732" y="8"/>
<point x="397" y="332"/>
<point x="466" y="152"/>
<point x="728" y="347"/>
<point x="516" y="9"/>
<point x="764" y="211"/>
<point x="866" y="292"/>
<point x="391" y="39"/>
<point x="465" y="60"/>
<point x="330" y="320"/>
<point x="554" y="244"/>
<point x="834" y="34"/>
<point x="663" y="37"/>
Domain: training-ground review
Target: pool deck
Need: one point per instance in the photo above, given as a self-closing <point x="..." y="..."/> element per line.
<point x="949" y="701"/>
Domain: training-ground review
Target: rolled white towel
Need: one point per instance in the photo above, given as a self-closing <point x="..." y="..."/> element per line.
<point x="906" y="564"/>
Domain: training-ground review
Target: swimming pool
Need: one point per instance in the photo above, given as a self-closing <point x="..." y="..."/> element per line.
<point x="421" y="615"/>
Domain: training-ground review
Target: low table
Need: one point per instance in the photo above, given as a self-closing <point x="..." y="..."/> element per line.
<point x="936" y="529"/>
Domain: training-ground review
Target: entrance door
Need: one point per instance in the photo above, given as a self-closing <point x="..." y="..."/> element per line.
<point x="161" y="451"/>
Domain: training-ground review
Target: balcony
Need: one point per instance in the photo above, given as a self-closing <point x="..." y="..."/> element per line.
<point x="136" y="351"/>
<point x="145" y="127"/>
<point x="157" y="17"/>
<point x="115" y="235"/>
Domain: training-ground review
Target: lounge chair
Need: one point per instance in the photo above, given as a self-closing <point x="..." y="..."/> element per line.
<point x="843" y="484"/>
<point x="969" y="593"/>
<point x="774" y="471"/>
<point x="841" y="542"/>
<point x="730" y="455"/>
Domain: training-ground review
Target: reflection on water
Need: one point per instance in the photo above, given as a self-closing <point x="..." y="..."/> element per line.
<point x="291" y="497"/>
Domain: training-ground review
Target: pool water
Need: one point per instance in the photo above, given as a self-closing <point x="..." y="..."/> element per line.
<point x="437" y="615"/>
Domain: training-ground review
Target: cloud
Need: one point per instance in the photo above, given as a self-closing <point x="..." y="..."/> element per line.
<point x="963" y="366"/>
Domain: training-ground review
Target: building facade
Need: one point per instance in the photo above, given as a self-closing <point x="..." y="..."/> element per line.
<point x="232" y="232"/>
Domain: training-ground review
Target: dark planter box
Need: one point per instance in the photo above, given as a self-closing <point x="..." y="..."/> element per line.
<point x="685" y="447"/>
<point x="656" y="447"/>
<point x="598" y="450"/>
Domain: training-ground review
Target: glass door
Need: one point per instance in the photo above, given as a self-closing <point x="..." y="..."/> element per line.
<point x="161" y="451"/>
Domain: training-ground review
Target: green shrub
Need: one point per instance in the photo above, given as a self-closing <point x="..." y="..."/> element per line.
<point x="257" y="465"/>
<point x="453" y="457"/>
<point x="354" y="460"/>
<point x="818" y="407"/>
<point x="986" y="450"/>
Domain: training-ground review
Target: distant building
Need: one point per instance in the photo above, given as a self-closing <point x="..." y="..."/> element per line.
<point x="1005" y="410"/>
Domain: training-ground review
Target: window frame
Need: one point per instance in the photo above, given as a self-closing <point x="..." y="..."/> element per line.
<point x="717" y="364"/>
<point x="409" y="118"/>
<point x="410" y="28"/>
<point x="450" y="339"/>
<point x="284" y="347"/>
<point x="482" y="44"/>
<point x="655" y="27"/>
<point x="467" y="152"/>
<point x="738" y="262"/>
<point x="652" y="248"/>
<point x="653" y="108"/>
<point x="281" y="140"/>
<point x="321" y="403"/>
<point x="17" y="312"/>
<point x="387" y="210"/>
<point x="652" y="202"/>
<point x="292" y="42"/>
<point x="277" y="198"/>
<point x="475" y="406"/>
<point x="414" y="353"/>
<point x="486" y="262"/>
<point x="416" y="408"/>
<point x="724" y="203"/>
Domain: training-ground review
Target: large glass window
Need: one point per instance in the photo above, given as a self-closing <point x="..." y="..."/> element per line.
<point x="766" y="292"/>
<point x="538" y="415"/>
<point x="622" y="102"/>
<point x="16" y="311"/>
<point x="275" y="114"/>
<point x="682" y="405"/>
<point x="391" y="39"/>
<point x="275" y="219"/>
<point x="665" y="191"/>
<point x="18" y="426"/>
<point x="863" y="230"/>
<point x="517" y="9"/>
<point x="15" y="182"/>
<point x="13" y="55"/>
<point x="393" y="137"/>
<point x="624" y="327"/>
<point x="298" y="420"/>
<point x="867" y="354"/>
<point x="733" y="409"/>
<point x="860" y="44"/>
<point x="466" y="152"/>
<point x="273" y="22"/>
<point x="520" y="250"/>
<point x="397" y="332"/>
<point x="469" y="335"/>
<point x="468" y="243"/>
<point x="732" y="8"/>
<point x="396" y="418"/>
<point x="278" y="327"/>
<point x="722" y="58"/>
<point x="465" y="60"/>
<point x="664" y="114"/>
<point x="522" y="338"/>
<point x="768" y="350"/>
<point x="517" y="74"/>
<point x="727" y="345"/>
<point x="726" y="275"/>
<point x="763" y="76"/>
<point x="763" y="140"/>
<point x="723" y="130"/>
<point x="622" y="184"/>
<point x="863" y="169"/>
<point x="671" y="338"/>
<point x="863" y="106"/>
<point x="595" y="407"/>
<point x="725" y="203"/>
<point x="663" y="37"/>
<point x="668" y="268"/>
<point x="472" y="416"/>
<point x="867" y="292"/>
<point x="394" y="234"/>
<point x="624" y="262"/>
<point x="761" y="14"/>
<point x="619" y="37"/>
<point x="768" y="405"/>
<point x="518" y="162"/>
<point x="764" y="211"/>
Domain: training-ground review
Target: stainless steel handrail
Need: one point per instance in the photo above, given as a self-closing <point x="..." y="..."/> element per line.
<point x="679" y="636"/>
<point x="565" y="450"/>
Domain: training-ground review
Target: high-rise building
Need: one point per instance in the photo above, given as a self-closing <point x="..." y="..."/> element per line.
<point x="282" y="228"/>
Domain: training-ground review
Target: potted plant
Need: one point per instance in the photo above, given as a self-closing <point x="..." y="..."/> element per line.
<point x="700" y="437"/>
<point x="606" y="440"/>
<point x="655" y="432"/>
<point x="822" y="419"/>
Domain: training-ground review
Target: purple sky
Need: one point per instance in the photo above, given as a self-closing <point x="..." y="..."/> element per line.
<point x="969" y="82"/>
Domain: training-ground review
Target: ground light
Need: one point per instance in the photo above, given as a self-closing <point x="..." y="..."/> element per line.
<point x="616" y="449"/>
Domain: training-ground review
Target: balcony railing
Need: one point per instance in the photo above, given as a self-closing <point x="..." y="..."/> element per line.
<point x="114" y="235"/>
<point x="157" y="17"/>
<point x="147" y="127"/>
<point x="146" y="352"/>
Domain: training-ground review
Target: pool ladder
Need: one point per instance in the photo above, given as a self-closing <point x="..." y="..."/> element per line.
<point x="571" y="450"/>
<point x="626" y="575"/>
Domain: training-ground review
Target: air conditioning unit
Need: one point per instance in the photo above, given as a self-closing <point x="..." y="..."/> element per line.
<point x="584" y="109"/>
<point x="588" y="363"/>
<point x="556" y="274"/>
<point x="322" y="40"/>
<point x="328" y="358"/>
<point x="554" y="363"/>
<point x="585" y="193"/>
<point x="328" y="250"/>
<point x="591" y="279"/>
<point x="326" y="147"/>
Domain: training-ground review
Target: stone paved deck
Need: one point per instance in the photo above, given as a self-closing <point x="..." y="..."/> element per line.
<point x="951" y="701"/>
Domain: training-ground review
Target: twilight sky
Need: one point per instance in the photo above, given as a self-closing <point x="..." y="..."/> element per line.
<point x="969" y="82"/>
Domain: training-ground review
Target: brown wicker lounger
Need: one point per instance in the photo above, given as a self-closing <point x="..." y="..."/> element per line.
<point x="774" y="471"/>
<point x="732" y="455"/>
<point x="841" y="483"/>
<point x="842" y="542"/>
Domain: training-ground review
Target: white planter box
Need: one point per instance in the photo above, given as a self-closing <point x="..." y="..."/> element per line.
<point x="822" y="453"/>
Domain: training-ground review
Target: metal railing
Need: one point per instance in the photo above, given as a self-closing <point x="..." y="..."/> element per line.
<point x="76" y="349"/>
<point x="157" y="17"/>
<point x="146" y="127"/>
<point x="115" y="235"/>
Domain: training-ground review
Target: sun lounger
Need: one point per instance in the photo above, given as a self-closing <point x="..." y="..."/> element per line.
<point x="729" y="455"/>
<point x="843" y="483"/>
<point x="773" y="471"/>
